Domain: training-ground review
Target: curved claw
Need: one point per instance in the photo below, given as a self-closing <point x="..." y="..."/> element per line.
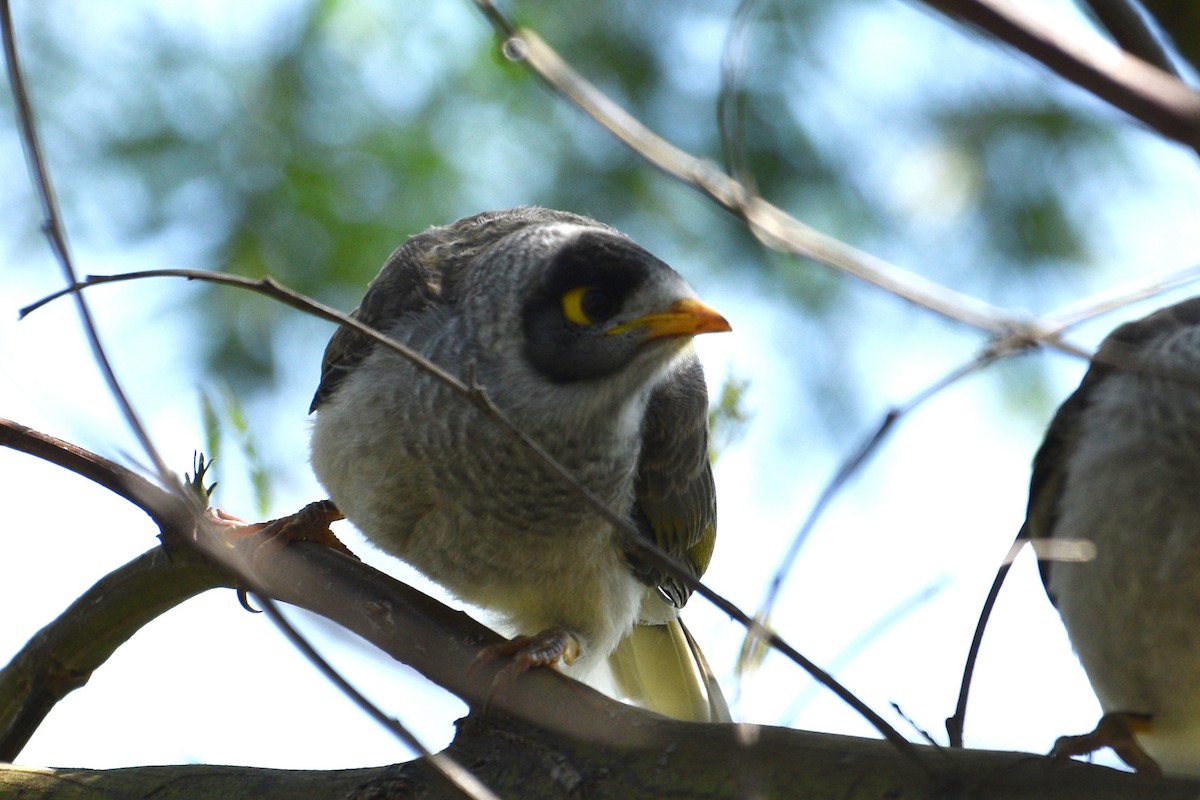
<point x="244" y="602"/>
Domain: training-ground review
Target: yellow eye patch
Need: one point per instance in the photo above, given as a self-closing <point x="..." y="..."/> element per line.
<point x="572" y="306"/>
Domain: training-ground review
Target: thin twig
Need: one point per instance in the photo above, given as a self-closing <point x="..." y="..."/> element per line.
<point x="459" y="776"/>
<point x="852" y="464"/>
<point x="731" y="101"/>
<point x="55" y="234"/>
<point x="1081" y="311"/>
<point x="868" y="635"/>
<point x="957" y="723"/>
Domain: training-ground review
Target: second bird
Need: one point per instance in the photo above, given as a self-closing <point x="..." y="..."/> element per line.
<point x="1118" y="480"/>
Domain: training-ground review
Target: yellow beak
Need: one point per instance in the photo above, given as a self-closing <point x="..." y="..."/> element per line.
<point x="686" y="317"/>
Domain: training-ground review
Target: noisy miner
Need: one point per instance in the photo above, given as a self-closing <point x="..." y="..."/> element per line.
<point x="582" y="339"/>
<point x="1117" y="484"/>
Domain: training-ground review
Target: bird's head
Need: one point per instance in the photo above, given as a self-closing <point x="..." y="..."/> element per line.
<point x="593" y="304"/>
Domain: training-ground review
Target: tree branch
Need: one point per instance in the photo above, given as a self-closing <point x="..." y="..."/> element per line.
<point x="1126" y="24"/>
<point x="56" y="234"/>
<point x="164" y="508"/>
<point x="680" y="760"/>
<point x="1144" y="92"/>
<point x="62" y="656"/>
<point x="544" y="735"/>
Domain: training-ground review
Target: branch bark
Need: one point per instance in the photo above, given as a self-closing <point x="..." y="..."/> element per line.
<point x="681" y="760"/>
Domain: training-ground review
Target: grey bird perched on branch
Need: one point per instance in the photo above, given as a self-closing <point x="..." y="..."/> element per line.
<point x="1119" y="472"/>
<point x="581" y="339"/>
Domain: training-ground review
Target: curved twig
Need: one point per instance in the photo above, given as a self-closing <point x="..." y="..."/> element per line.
<point x="55" y="234"/>
<point x="1083" y="310"/>
<point x="957" y="723"/>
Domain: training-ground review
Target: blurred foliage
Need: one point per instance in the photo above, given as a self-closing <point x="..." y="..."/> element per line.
<point x="728" y="416"/>
<point x="309" y="138"/>
<point x="224" y="418"/>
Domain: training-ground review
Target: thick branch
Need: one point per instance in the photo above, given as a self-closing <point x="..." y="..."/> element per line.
<point x="683" y="760"/>
<point x="63" y="655"/>
<point x="544" y="735"/>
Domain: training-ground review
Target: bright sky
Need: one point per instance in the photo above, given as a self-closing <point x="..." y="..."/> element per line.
<point x="938" y="507"/>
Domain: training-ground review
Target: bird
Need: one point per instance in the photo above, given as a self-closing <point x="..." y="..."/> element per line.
<point x="1116" y="485"/>
<point x="582" y="340"/>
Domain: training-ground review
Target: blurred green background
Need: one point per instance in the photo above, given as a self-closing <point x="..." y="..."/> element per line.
<point x="305" y="140"/>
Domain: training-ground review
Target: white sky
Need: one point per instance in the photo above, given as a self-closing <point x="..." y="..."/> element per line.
<point x="211" y="683"/>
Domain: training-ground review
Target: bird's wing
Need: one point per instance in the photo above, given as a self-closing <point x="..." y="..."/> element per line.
<point x="676" y="504"/>
<point x="1123" y="349"/>
<point x="1050" y="473"/>
<point x="409" y="282"/>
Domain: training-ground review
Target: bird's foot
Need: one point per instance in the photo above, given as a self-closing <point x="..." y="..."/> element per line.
<point x="265" y="539"/>
<point x="545" y="649"/>
<point x="1115" y="730"/>
<point x="309" y="524"/>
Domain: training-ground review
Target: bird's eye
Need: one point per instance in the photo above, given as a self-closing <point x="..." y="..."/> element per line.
<point x="587" y="305"/>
